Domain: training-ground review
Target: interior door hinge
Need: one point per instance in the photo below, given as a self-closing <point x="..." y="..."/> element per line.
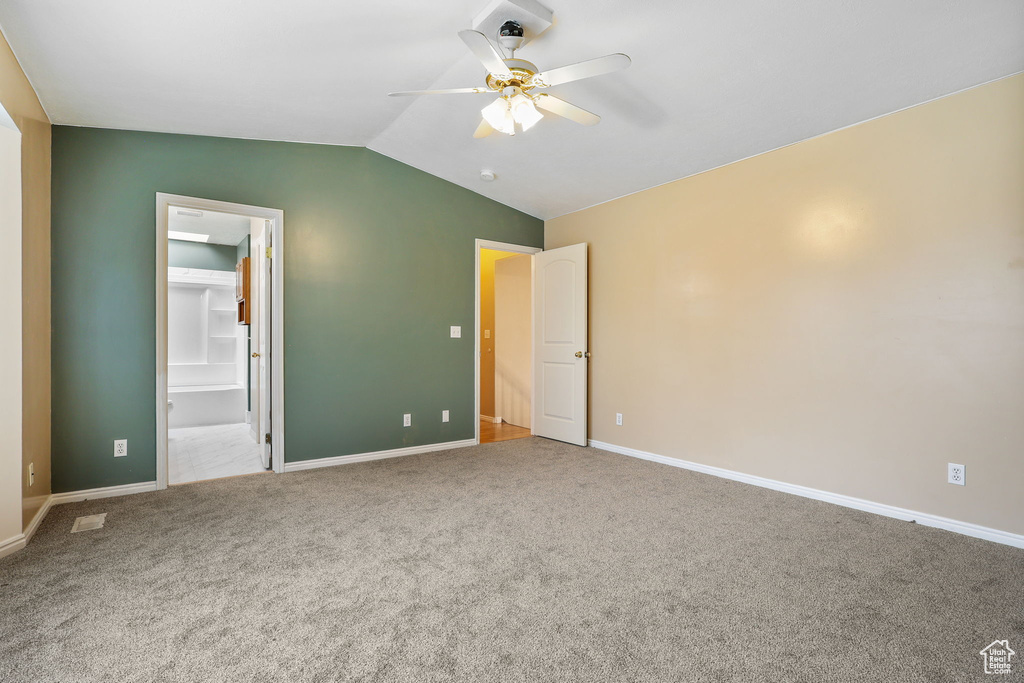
<point x="268" y="251"/>
<point x="268" y="438"/>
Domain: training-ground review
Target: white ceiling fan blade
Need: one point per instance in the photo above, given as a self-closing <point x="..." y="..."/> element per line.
<point x="485" y="52"/>
<point x="581" y="70"/>
<point x="570" y="111"/>
<point x="483" y="130"/>
<point x="451" y="91"/>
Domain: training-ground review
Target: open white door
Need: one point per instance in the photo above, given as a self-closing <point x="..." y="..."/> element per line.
<point x="263" y="258"/>
<point x="560" y="344"/>
<point x="255" y="294"/>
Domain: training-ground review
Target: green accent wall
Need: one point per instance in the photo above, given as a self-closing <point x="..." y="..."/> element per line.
<point x="379" y="263"/>
<point x="184" y="254"/>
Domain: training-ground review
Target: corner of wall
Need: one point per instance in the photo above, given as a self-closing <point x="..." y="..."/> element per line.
<point x="22" y="103"/>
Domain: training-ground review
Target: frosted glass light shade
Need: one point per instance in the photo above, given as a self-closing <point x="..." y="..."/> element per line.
<point x="499" y="116"/>
<point x="524" y="111"/>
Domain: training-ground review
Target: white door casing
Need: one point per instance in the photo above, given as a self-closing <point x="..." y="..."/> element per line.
<point x="275" y="289"/>
<point x="11" y="347"/>
<point x="499" y="246"/>
<point x="560" y="344"/>
<point x="256" y="231"/>
<point x="265" y="346"/>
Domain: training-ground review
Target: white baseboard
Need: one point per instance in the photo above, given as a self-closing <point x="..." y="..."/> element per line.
<point x="376" y="455"/>
<point x="12" y="544"/>
<point x="40" y="515"/>
<point x="105" y="492"/>
<point x="926" y="519"/>
<point x="248" y="417"/>
<point x="493" y="420"/>
<point x="15" y="543"/>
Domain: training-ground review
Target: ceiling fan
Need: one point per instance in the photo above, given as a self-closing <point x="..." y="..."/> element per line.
<point x="517" y="82"/>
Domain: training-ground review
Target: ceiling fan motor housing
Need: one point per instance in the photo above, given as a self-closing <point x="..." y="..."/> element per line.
<point x="511" y="35"/>
<point x="533" y="18"/>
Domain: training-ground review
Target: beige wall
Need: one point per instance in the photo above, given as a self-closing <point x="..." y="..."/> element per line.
<point x="846" y="313"/>
<point x="21" y="103"/>
<point x="487" y="259"/>
<point x="513" y="343"/>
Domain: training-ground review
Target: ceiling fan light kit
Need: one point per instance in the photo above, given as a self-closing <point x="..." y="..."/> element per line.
<point x="516" y="81"/>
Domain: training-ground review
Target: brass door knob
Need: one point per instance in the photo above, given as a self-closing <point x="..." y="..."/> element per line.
<point x="579" y="354"/>
<point x="255" y="355"/>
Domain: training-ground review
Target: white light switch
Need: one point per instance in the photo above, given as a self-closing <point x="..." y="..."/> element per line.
<point x="444" y="416"/>
<point x="456" y="331"/>
<point x="487" y="334"/>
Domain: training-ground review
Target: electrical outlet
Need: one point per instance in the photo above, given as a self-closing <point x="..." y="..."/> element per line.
<point x="407" y="420"/>
<point x="31" y="473"/>
<point x="444" y="416"/>
<point x="487" y="334"/>
<point x="120" y="448"/>
<point x="618" y="419"/>
<point x="956" y="474"/>
<point x="456" y="332"/>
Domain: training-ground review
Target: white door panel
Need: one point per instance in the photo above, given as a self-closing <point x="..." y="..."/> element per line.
<point x="255" y="292"/>
<point x="266" y="352"/>
<point x="560" y="344"/>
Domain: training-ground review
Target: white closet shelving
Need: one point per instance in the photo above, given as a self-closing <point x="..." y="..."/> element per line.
<point x="203" y="337"/>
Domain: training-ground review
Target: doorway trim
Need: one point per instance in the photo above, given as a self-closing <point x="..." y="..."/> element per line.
<point x="276" y="216"/>
<point x="497" y="246"/>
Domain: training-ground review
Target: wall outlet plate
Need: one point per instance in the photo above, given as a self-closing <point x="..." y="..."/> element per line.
<point x="407" y="420"/>
<point x="618" y="419"/>
<point x="444" y="416"/>
<point x="120" y="448"/>
<point x="31" y="473"/>
<point x="956" y="474"/>
<point x="456" y="331"/>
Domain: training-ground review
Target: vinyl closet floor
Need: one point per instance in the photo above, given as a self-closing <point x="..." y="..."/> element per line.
<point x="199" y="453"/>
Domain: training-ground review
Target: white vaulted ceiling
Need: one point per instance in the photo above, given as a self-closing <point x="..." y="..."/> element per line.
<point x="711" y="82"/>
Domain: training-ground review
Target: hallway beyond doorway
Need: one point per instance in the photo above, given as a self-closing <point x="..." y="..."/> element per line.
<point x="491" y="432"/>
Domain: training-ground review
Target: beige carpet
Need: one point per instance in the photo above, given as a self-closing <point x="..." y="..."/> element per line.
<point x="526" y="560"/>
